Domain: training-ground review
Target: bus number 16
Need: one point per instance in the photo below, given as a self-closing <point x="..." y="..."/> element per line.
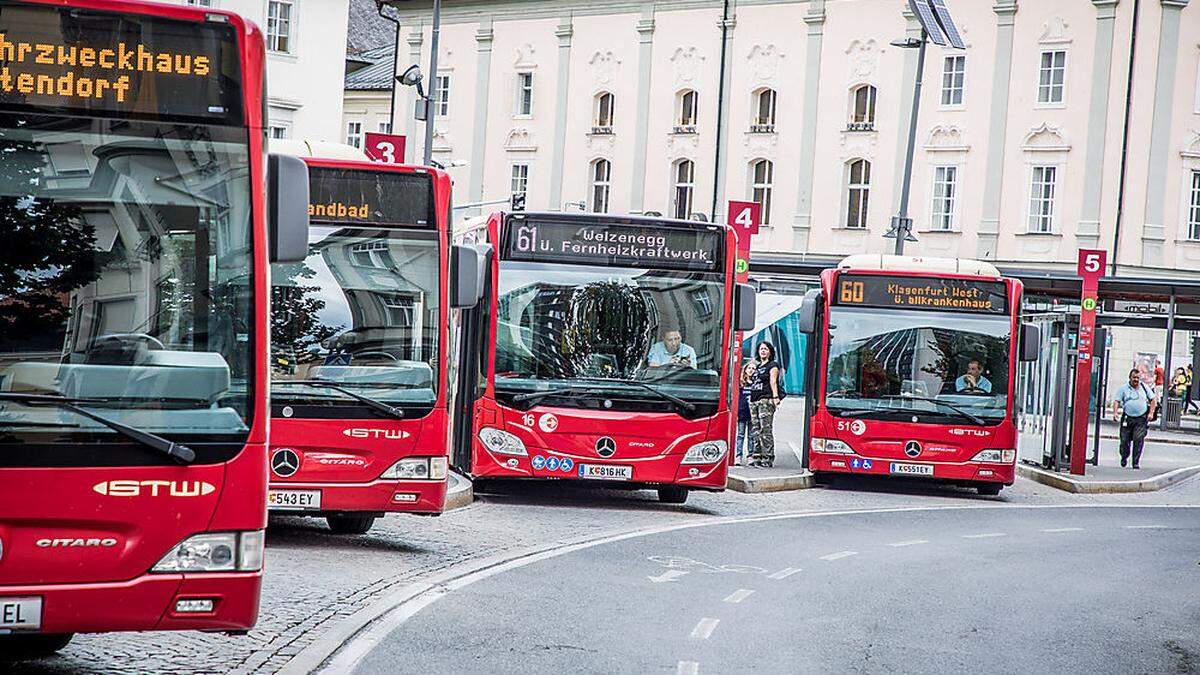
<point x="852" y="292"/>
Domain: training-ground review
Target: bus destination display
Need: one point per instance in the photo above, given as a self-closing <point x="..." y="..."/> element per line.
<point x="954" y="295"/>
<point x="100" y="62"/>
<point x="614" y="244"/>
<point x="370" y="197"/>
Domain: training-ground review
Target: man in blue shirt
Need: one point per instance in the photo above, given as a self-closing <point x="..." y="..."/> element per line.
<point x="1134" y="403"/>
<point x="973" y="381"/>
<point x="671" y="351"/>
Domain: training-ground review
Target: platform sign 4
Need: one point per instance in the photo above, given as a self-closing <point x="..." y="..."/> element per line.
<point x="744" y="218"/>
<point x="386" y="148"/>
<point x="1090" y="268"/>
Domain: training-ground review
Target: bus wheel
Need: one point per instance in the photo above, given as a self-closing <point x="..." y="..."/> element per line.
<point x="991" y="489"/>
<point x="17" y="647"/>
<point x="672" y="494"/>
<point x="350" y="524"/>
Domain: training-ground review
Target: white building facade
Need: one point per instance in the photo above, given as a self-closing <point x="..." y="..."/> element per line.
<point x="1021" y="152"/>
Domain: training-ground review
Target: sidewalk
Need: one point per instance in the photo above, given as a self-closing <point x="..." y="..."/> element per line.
<point x="787" y="474"/>
<point x="1190" y="435"/>
<point x="1164" y="463"/>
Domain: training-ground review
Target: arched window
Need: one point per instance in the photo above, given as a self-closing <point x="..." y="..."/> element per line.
<point x="684" y="179"/>
<point x="687" y="107"/>
<point x="764" y="111"/>
<point x="603" y="119"/>
<point x="762" y="175"/>
<point x="858" y="191"/>
<point x="862" y="108"/>
<point x="601" y="175"/>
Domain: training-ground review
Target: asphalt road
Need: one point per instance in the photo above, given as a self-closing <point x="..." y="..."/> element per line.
<point x="1097" y="589"/>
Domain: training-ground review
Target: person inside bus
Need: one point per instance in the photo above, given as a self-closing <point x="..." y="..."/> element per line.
<point x="973" y="381"/>
<point x="671" y="351"/>
<point x="1136" y="403"/>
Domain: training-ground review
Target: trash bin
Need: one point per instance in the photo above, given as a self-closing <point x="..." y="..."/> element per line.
<point x="1173" y="410"/>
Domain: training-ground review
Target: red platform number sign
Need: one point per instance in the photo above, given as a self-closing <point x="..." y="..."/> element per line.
<point x="384" y="148"/>
<point x="1090" y="268"/>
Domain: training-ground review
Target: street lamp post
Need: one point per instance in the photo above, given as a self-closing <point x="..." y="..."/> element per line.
<point x="901" y="223"/>
<point x="434" y="96"/>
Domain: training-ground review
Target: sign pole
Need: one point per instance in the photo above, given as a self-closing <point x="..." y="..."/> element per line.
<point x="1090" y="268"/>
<point x="744" y="218"/>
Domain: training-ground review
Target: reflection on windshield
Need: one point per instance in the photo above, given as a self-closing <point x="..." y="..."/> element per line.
<point x="911" y="361"/>
<point x="362" y="311"/>
<point x="124" y="273"/>
<point x="558" y="324"/>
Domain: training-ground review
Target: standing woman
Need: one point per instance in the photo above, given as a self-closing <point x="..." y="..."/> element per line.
<point x="763" y="401"/>
<point x="744" y="441"/>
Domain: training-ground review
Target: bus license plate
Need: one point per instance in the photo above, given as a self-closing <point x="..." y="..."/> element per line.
<point x="912" y="469"/>
<point x="21" y="613"/>
<point x="606" y="471"/>
<point x="294" y="500"/>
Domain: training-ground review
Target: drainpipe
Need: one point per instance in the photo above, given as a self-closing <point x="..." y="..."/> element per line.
<point x="720" y="109"/>
<point x="1125" y="139"/>
<point x="379" y="5"/>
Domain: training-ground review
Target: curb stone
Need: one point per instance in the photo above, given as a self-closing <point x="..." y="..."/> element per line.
<point x="460" y="492"/>
<point x="748" y="483"/>
<point x="1068" y="484"/>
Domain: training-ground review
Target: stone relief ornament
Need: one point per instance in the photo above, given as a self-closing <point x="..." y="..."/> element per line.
<point x="946" y="138"/>
<point x="862" y="56"/>
<point x="601" y="144"/>
<point x="520" y="139"/>
<point x="1045" y="138"/>
<point x="764" y="63"/>
<point x="525" y="57"/>
<point x="687" y="62"/>
<point x="1054" y="32"/>
<point x="604" y="66"/>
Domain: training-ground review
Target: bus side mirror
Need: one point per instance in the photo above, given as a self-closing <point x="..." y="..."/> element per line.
<point x="745" y="307"/>
<point x="1031" y="342"/>
<point x="807" y="313"/>
<point x="467" y="269"/>
<point x="287" y="208"/>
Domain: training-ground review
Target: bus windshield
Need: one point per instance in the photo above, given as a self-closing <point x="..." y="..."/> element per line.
<point x="940" y="367"/>
<point x="123" y="277"/>
<point x="362" y="311"/>
<point x="602" y="334"/>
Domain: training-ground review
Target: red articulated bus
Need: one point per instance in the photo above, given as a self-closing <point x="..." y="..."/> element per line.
<point x="133" y="318"/>
<point x="602" y="352"/>
<point x="915" y="370"/>
<point x="359" y="343"/>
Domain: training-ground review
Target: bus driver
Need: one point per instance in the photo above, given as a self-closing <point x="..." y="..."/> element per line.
<point x="973" y="380"/>
<point x="671" y="351"/>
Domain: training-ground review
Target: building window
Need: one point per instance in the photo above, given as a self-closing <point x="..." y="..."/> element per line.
<point x="764" y="111"/>
<point x="398" y="311"/>
<point x="441" y="97"/>
<point x="524" y="94"/>
<point x="1041" y="199"/>
<point x="685" y="187"/>
<point x="762" y="181"/>
<point x="945" y="191"/>
<point x="385" y="127"/>
<point x="354" y="134"/>
<point x="372" y="253"/>
<point x="862" y="111"/>
<point x="602" y="120"/>
<point x="199" y="3"/>
<point x="858" y="192"/>
<point x="601" y="172"/>
<point x="519" y="184"/>
<point x="1193" y="219"/>
<point x="954" y="70"/>
<point x="278" y="131"/>
<point x="687" y="112"/>
<point x="1052" y="76"/>
<point x="279" y="26"/>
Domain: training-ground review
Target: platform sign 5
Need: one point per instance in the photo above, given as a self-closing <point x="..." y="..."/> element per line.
<point x="1090" y="267"/>
<point x="386" y="148"/>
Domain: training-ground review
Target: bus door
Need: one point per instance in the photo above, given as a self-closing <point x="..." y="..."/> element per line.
<point x="472" y="370"/>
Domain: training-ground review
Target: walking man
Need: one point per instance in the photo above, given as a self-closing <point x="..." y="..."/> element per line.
<point x="1135" y="403"/>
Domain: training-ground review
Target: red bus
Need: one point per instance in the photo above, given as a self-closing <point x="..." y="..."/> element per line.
<point x="359" y="338"/>
<point x="602" y="352"/>
<point x="133" y="318"/>
<point x="915" y="370"/>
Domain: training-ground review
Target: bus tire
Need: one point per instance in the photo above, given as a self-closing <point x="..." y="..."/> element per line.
<point x="19" y="647"/>
<point x="350" y="524"/>
<point x="672" y="494"/>
<point x="990" y="489"/>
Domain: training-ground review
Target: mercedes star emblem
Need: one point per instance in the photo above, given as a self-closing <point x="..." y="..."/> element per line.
<point x="606" y="447"/>
<point x="285" y="462"/>
<point x="912" y="448"/>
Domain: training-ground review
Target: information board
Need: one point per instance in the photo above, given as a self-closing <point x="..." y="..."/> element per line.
<point x="614" y="244"/>
<point x="951" y="295"/>
<point x="370" y="197"/>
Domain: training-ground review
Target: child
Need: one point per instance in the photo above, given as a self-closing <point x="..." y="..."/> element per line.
<point x="744" y="444"/>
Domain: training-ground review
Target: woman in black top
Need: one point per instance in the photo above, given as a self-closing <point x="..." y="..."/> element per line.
<point x="764" y="399"/>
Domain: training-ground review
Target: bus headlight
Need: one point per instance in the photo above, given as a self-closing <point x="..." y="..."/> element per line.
<point x="215" y="552"/>
<point x="996" y="456"/>
<point x="831" y="446"/>
<point x="502" y="442"/>
<point x="707" y="452"/>
<point x="417" y="468"/>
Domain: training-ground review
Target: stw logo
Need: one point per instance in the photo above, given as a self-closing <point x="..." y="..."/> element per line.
<point x="155" y="488"/>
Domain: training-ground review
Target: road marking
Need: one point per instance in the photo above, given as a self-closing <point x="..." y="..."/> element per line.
<point x="839" y="555"/>
<point x="985" y="535"/>
<point x="784" y="573"/>
<point x="1145" y="527"/>
<point x="705" y="628"/>
<point x="910" y="542"/>
<point x="1053" y="530"/>
<point x="738" y="595"/>
<point x="797" y="452"/>
<point x="667" y="575"/>
<point x="687" y="668"/>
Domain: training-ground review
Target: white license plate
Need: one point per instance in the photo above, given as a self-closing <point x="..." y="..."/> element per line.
<point x="20" y="613"/>
<point x="912" y="469"/>
<point x="606" y="471"/>
<point x="294" y="500"/>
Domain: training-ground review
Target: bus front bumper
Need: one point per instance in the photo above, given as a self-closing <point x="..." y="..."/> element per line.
<point x="378" y="496"/>
<point x="148" y="602"/>
<point x="963" y="472"/>
<point x="643" y="472"/>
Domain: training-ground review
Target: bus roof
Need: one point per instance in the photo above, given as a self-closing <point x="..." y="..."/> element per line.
<point x="618" y="219"/>
<point x="317" y="149"/>
<point x="904" y="263"/>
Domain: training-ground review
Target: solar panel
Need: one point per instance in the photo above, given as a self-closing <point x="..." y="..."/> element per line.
<point x="925" y="15"/>
<point x="942" y="14"/>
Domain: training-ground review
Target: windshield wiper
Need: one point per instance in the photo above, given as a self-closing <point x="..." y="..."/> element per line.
<point x="958" y="409"/>
<point x="686" y="405"/>
<point x="893" y="408"/>
<point x="372" y="403"/>
<point x="536" y="396"/>
<point x="182" y="454"/>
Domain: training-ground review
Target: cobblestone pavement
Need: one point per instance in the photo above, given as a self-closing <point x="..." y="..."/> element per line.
<point x="315" y="579"/>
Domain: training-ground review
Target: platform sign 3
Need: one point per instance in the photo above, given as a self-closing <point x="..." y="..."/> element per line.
<point x="385" y="148"/>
